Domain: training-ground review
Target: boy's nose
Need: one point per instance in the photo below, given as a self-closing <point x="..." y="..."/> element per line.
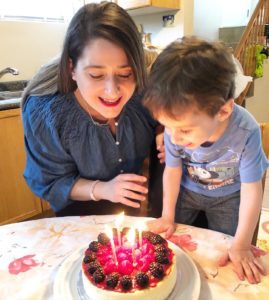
<point x="176" y="138"/>
<point x="111" y="87"/>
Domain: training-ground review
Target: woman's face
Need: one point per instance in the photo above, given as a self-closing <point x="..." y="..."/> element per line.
<point x="104" y="78"/>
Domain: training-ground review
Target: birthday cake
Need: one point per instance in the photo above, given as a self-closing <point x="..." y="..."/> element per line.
<point x="115" y="270"/>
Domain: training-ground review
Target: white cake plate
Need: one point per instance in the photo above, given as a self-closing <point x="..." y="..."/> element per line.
<point x="68" y="281"/>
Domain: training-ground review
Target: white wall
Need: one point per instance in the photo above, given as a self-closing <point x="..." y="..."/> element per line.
<point x="28" y="45"/>
<point x="258" y="105"/>
<point x="207" y="19"/>
<point x="210" y="15"/>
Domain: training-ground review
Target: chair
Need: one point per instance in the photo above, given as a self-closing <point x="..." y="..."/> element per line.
<point x="265" y="144"/>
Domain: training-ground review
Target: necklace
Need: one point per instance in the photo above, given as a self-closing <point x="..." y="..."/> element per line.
<point x="97" y="123"/>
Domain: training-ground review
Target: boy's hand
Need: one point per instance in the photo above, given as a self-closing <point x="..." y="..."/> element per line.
<point x="244" y="263"/>
<point x="162" y="225"/>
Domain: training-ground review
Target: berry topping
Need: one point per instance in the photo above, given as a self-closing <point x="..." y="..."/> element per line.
<point x="94" y="246"/>
<point x="126" y="282"/>
<point x="147" y="234"/>
<point x="156" y="270"/>
<point x="112" y="280"/>
<point x="98" y="276"/>
<point x="89" y="257"/>
<point x="156" y="239"/>
<point x="161" y="248"/>
<point x="103" y="239"/>
<point x="93" y="266"/>
<point x="142" y="279"/>
<point x="161" y="258"/>
<point x="125" y="267"/>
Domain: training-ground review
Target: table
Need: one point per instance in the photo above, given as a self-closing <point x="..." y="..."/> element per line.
<point x="31" y="251"/>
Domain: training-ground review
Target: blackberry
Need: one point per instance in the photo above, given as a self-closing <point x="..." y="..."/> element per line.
<point x="142" y="279"/>
<point x="156" y="270"/>
<point x="156" y="239"/>
<point x="103" y="239"/>
<point x="112" y="280"/>
<point x="126" y="282"/>
<point x="161" y="248"/>
<point x="89" y="257"/>
<point x="93" y="266"/>
<point x="94" y="246"/>
<point x="98" y="276"/>
<point x="161" y="258"/>
<point x="147" y="234"/>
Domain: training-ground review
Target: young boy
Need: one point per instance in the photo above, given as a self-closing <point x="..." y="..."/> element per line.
<point x="214" y="158"/>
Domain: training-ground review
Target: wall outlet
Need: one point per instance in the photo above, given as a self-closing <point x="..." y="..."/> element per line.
<point x="168" y="21"/>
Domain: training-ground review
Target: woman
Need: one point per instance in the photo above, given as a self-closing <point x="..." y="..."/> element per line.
<point x="86" y="132"/>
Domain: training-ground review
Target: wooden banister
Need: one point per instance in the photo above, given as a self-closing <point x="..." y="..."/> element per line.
<point x="253" y="35"/>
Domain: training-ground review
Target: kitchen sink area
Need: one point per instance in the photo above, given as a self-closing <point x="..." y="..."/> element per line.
<point x="10" y="93"/>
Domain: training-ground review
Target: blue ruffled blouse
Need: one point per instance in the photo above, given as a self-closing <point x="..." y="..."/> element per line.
<point x="63" y="144"/>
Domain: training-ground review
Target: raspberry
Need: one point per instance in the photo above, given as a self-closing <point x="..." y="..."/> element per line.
<point x="126" y="282"/>
<point x="94" y="246"/>
<point x="161" y="248"/>
<point x="142" y="279"/>
<point x="156" y="270"/>
<point x="156" y="239"/>
<point x="112" y="280"/>
<point x="103" y="239"/>
<point x="89" y="257"/>
<point x="93" y="266"/>
<point x="161" y="258"/>
<point x="98" y="276"/>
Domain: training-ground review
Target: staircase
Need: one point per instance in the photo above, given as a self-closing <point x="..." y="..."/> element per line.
<point x="253" y="35"/>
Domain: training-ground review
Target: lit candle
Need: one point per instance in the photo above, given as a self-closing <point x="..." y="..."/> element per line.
<point x="109" y="233"/>
<point x="131" y="240"/>
<point x="140" y="227"/>
<point x="118" y="223"/>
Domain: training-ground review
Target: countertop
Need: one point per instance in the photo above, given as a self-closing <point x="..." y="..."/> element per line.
<point x="10" y="103"/>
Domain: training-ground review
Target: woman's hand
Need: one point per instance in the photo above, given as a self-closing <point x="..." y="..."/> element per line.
<point x="122" y="189"/>
<point x="162" y="225"/>
<point x="160" y="147"/>
<point x="244" y="263"/>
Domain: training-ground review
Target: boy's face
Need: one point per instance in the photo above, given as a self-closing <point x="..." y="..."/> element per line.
<point x="194" y="128"/>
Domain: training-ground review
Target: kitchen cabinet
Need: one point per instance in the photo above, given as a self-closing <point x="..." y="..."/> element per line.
<point x="17" y="202"/>
<point x="143" y="7"/>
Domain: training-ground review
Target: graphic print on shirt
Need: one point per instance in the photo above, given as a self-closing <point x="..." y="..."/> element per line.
<point x="211" y="173"/>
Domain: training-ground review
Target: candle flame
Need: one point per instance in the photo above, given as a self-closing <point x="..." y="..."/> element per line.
<point x="119" y="219"/>
<point x="109" y="232"/>
<point x="141" y="226"/>
<point x="131" y="237"/>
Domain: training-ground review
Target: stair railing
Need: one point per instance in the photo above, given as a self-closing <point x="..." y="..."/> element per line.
<point x="253" y="35"/>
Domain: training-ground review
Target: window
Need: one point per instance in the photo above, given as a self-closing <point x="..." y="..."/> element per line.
<point x="39" y="10"/>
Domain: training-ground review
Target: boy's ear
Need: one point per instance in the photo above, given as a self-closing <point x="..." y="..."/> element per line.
<point x="226" y="110"/>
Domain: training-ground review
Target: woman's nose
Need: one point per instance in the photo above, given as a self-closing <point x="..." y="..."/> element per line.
<point x="112" y="87"/>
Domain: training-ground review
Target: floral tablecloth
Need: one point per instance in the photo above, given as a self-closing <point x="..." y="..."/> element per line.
<point x="31" y="252"/>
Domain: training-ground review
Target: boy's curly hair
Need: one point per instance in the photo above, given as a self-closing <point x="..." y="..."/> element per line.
<point x="190" y="73"/>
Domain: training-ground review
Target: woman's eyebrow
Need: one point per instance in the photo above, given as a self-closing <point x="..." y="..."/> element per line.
<point x="103" y="67"/>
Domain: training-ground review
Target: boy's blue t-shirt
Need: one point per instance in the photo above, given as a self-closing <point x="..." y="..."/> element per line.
<point x="218" y="170"/>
